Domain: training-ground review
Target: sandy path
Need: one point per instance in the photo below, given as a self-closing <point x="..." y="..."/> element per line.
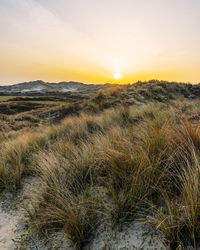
<point x="11" y="214"/>
<point x="8" y="227"/>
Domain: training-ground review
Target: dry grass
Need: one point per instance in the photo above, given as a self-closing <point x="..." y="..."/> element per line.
<point x="124" y="163"/>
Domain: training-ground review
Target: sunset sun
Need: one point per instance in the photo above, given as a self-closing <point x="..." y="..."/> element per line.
<point x="117" y="76"/>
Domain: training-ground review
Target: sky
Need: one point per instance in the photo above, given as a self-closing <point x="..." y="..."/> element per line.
<point x="93" y="41"/>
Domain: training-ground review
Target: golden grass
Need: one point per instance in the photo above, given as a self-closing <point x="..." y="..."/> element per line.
<point x="116" y="166"/>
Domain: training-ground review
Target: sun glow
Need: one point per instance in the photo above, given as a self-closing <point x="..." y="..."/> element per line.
<point x="105" y="44"/>
<point x="117" y="76"/>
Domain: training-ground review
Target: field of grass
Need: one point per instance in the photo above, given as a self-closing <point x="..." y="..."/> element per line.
<point x="6" y="98"/>
<point x="110" y="160"/>
<point x="49" y="99"/>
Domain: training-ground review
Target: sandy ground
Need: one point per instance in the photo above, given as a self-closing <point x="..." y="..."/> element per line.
<point x="8" y="228"/>
<point x="11" y="216"/>
<point x="135" y="235"/>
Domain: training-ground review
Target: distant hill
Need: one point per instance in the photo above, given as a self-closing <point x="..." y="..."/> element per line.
<point x="42" y="87"/>
<point x="140" y="91"/>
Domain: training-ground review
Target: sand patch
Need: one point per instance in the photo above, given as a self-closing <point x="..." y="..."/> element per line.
<point x="133" y="236"/>
<point x="8" y="228"/>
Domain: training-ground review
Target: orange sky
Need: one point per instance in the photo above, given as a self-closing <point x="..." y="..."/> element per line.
<point x="91" y="40"/>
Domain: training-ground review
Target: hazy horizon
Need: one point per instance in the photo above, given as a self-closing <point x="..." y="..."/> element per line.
<point x="114" y="82"/>
<point x="93" y="40"/>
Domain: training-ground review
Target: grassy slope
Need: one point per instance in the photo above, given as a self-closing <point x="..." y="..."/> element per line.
<point x="23" y="112"/>
<point x="115" y="165"/>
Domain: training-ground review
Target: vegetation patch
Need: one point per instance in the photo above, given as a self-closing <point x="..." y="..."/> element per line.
<point x="112" y="163"/>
